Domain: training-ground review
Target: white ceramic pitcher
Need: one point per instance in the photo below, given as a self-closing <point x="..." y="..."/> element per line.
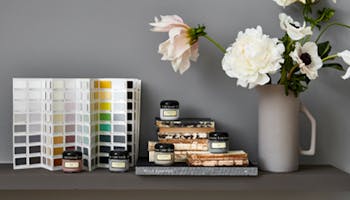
<point x="278" y="141"/>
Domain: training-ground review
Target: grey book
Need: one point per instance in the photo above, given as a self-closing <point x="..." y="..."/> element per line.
<point x="145" y="168"/>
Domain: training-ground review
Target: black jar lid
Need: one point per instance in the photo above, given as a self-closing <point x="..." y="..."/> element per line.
<point x="119" y="155"/>
<point x="218" y="136"/>
<point x="169" y="104"/>
<point x="163" y="147"/>
<point x="72" y="155"/>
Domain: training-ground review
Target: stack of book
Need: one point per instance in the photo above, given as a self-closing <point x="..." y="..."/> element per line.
<point x="189" y="136"/>
<point x="231" y="158"/>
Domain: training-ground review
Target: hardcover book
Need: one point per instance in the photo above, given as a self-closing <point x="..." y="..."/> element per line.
<point x="193" y="146"/>
<point x="145" y="168"/>
<point x="186" y="122"/>
<point x="179" y="156"/>
<point x="232" y="158"/>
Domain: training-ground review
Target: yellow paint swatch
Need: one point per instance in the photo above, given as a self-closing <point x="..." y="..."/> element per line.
<point x="95" y="106"/>
<point x="95" y="95"/>
<point x="57" y="118"/>
<point x="58" y="140"/>
<point x="105" y="84"/>
<point x="57" y="151"/>
<point x="58" y="129"/>
<point x="96" y="84"/>
<point x="105" y="106"/>
<point x="105" y="95"/>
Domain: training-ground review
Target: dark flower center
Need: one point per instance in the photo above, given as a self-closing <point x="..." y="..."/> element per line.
<point x="306" y="58"/>
<point x="295" y="26"/>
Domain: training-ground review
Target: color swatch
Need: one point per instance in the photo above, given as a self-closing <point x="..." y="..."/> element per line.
<point x="90" y="115"/>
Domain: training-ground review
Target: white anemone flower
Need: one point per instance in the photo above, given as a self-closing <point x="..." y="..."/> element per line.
<point x="252" y="57"/>
<point x="345" y="55"/>
<point x="293" y="28"/>
<point x="307" y="58"/>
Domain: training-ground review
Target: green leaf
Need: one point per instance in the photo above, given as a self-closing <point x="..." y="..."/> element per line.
<point x="336" y="66"/>
<point x="311" y="21"/>
<point x="325" y="15"/>
<point x="324" y="49"/>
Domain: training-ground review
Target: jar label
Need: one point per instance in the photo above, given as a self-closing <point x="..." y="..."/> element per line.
<point x="118" y="165"/>
<point x="170" y="113"/>
<point x="164" y="157"/>
<point x="218" y="145"/>
<point x="71" y="164"/>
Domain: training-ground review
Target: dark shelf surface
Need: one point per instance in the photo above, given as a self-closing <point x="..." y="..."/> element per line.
<point x="308" y="178"/>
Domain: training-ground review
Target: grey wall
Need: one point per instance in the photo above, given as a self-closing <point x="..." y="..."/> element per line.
<point x="105" y="38"/>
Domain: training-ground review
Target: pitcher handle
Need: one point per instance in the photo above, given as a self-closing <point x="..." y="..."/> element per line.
<point x="311" y="150"/>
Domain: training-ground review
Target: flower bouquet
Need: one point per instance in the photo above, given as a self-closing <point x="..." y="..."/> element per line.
<point x="295" y="60"/>
<point x="255" y="56"/>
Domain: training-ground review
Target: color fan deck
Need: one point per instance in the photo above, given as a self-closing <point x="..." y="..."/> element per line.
<point x="90" y="115"/>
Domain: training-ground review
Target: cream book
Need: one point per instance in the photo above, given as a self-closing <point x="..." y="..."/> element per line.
<point x="199" y="145"/>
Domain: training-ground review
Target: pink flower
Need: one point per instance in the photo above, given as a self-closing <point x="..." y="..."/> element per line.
<point x="179" y="48"/>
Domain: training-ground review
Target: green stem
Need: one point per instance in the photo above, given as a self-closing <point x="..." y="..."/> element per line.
<point x="329" y="57"/>
<point x="289" y="76"/>
<point x="222" y="49"/>
<point x="328" y="26"/>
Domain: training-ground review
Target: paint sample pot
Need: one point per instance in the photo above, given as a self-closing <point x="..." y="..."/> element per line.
<point x="218" y="142"/>
<point x="164" y="154"/>
<point x="118" y="161"/>
<point x="72" y="161"/>
<point x="169" y="110"/>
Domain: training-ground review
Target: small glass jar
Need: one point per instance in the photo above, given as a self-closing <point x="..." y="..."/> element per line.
<point x="218" y="142"/>
<point x="169" y="110"/>
<point x="164" y="154"/>
<point x="119" y="161"/>
<point x="72" y="161"/>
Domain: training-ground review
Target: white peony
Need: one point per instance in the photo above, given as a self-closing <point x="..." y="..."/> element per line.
<point x="252" y="56"/>
<point x="345" y="55"/>
<point x="293" y="28"/>
<point x="304" y="1"/>
<point x="307" y="58"/>
<point x="285" y="3"/>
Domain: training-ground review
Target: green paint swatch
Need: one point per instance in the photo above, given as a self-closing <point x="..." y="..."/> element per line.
<point x="105" y="116"/>
<point x="105" y="127"/>
<point x="86" y="140"/>
<point x="105" y="138"/>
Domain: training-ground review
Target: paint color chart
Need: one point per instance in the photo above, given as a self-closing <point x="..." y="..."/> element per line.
<point x="93" y="116"/>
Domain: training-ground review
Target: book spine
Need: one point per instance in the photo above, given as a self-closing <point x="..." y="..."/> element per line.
<point x="179" y="124"/>
<point x="218" y="163"/>
<point x="184" y="130"/>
